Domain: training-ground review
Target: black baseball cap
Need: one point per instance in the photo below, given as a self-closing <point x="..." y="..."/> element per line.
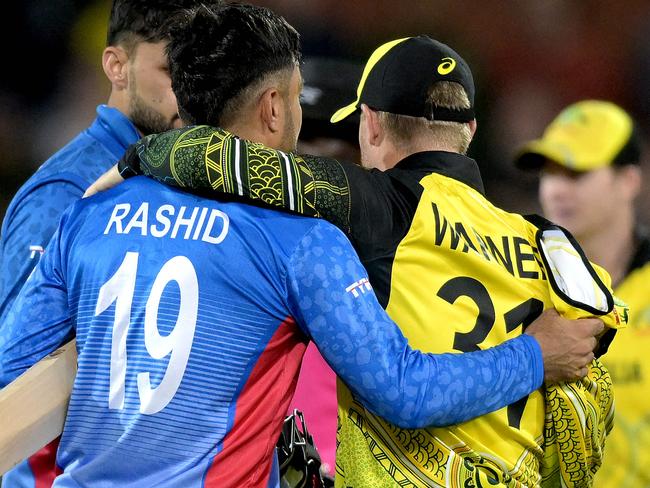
<point x="398" y="75"/>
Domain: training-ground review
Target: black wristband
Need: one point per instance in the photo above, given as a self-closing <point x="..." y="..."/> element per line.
<point x="129" y="164"/>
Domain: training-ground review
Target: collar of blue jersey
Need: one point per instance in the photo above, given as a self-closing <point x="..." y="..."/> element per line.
<point x="453" y="165"/>
<point x="114" y="130"/>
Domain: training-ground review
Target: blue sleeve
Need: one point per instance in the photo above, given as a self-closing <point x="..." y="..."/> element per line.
<point x="28" y="227"/>
<point x="39" y="321"/>
<point x="332" y="302"/>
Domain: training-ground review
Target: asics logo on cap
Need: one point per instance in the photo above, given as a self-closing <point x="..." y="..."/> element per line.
<point x="447" y="66"/>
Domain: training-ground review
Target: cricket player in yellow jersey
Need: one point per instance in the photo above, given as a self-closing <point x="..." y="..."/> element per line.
<point x="589" y="160"/>
<point x="436" y="251"/>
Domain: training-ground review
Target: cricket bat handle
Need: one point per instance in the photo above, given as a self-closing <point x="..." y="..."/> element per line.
<point x="33" y="406"/>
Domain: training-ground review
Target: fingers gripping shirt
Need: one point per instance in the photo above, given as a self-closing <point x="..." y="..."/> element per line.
<point x="371" y="355"/>
<point x="579" y="415"/>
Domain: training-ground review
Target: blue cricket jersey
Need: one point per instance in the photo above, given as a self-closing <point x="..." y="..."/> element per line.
<point x="33" y="216"/>
<point x="191" y="318"/>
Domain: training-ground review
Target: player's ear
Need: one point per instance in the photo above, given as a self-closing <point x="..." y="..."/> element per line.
<point x="115" y="64"/>
<point x="472" y="127"/>
<point x="272" y="110"/>
<point x="630" y="175"/>
<point x="374" y="131"/>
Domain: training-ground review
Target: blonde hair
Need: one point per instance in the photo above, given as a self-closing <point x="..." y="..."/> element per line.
<point x="404" y="130"/>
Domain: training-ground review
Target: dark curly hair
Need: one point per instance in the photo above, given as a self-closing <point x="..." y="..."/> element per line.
<point x="219" y="53"/>
<point x="134" y="21"/>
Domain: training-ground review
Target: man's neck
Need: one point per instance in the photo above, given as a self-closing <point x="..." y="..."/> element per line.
<point x="612" y="248"/>
<point x="119" y="101"/>
<point x="248" y="132"/>
<point x="396" y="153"/>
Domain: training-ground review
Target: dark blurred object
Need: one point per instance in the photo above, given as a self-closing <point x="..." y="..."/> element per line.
<point x="329" y="83"/>
<point x="297" y="455"/>
<point x="35" y="35"/>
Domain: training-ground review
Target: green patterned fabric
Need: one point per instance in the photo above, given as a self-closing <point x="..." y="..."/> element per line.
<point x="309" y="185"/>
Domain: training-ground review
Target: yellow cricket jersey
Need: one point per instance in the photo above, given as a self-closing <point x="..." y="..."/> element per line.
<point x="627" y="451"/>
<point x="467" y="276"/>
<point x="463" y="279"/>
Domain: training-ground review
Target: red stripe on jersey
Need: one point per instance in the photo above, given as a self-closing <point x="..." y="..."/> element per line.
<point x="43" y="465"/>
<point x="247" y="455"/>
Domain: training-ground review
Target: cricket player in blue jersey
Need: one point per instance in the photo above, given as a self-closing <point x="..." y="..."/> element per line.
<point x="192" y="316"/>
<point x="141" y="102"/>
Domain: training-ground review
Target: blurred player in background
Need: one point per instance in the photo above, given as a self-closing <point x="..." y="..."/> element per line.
<point x="327" y="84"/>
<point x="191" y="316"/>
<point x="590" y="175"/>
<point x="141" y="102"/>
